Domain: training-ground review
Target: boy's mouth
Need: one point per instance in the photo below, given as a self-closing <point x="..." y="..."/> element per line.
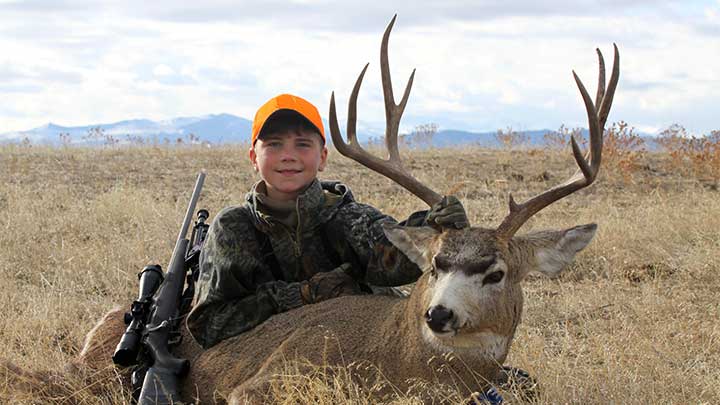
<point x="288" y="172"/>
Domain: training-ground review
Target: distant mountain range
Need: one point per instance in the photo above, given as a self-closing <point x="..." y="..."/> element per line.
<point x="222" y="128"/>
<point x="214" y="128"/>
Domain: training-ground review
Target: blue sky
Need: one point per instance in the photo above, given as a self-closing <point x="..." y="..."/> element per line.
<point x="481" y="65"/>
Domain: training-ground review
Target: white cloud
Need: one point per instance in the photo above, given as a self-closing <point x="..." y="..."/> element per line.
<point x="163" y="70"/>
<point x="712" y="13"/>
<point x="480" y="65"/>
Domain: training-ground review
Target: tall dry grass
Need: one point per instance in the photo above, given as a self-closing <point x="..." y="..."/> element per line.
<point x="634" y="320"/>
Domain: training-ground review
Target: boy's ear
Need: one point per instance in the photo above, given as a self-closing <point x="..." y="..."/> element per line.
<point x="549" y="252"/>
<point x="323" y="158"/>
<point x="416" y="242"/>
<point x="253" y="157"/>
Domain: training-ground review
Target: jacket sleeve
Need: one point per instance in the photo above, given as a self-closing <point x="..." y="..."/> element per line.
<point x="381" y="263"/>
<point x="236" y="290"/>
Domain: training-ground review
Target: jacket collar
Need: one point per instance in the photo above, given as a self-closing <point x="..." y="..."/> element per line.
<point x="313" y="208"/>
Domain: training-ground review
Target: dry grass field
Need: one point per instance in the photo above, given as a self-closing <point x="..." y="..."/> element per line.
<point x="634" y="320"/>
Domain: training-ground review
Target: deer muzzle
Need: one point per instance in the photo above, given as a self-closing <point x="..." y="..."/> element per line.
<point x="440" y="319"/>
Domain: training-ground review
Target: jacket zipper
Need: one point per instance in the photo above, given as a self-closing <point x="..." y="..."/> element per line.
<point x="295" y="243"/>
<point x="298" y="232"/>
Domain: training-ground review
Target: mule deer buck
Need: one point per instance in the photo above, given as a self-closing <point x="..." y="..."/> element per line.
<point x="463" y="311"/>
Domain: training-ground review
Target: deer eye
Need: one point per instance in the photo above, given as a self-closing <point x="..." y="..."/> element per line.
<point x="480" y="266"/>
<point x="493" y="278"/>
<point x="441" y="263"/>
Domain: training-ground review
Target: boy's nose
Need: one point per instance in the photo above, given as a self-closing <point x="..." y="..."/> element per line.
<point x="287" y="154"/>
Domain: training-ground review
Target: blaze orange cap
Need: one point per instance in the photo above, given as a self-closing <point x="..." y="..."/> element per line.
<point x="286" y="102"/>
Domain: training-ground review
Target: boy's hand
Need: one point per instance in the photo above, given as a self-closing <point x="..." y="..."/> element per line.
<point x="448" y="213"/>
<point x="331" y="284"/>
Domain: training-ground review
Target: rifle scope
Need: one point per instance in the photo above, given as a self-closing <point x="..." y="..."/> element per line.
<point x="127" y="350"/>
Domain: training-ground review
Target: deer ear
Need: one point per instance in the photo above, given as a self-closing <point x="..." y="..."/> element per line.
<point x="553" y="251"/>
<point x="414" y="241"/>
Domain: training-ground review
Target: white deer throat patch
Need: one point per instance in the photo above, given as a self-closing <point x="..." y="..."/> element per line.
<point x="486" y="345"/>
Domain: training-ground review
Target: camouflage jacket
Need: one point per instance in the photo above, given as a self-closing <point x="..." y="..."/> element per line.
<point x="252" y="266"/>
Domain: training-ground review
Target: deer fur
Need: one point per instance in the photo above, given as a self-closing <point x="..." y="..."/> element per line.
<point x="390" y="333"/>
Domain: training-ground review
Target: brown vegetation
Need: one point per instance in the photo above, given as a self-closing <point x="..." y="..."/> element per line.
<point x="510" y="139"/>
<point x="695" y="156"/>
<point x="633" y="321"/>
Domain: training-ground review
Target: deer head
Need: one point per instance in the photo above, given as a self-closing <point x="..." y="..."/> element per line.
<point x="470" y="292"/>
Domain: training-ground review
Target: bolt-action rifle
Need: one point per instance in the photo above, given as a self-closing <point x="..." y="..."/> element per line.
<point x="154" y="318"/>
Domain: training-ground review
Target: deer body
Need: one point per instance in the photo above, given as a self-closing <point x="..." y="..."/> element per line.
<point x="352" y="330"/>
<point x="394" y="335"/>
<point x="343" y="332"/>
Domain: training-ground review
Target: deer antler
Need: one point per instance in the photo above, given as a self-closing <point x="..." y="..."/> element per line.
<point x="391" y="167"/>
<point x="587" y="172"/>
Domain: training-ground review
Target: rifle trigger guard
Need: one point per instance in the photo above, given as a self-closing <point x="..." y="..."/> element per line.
<point x="162" y="325"/>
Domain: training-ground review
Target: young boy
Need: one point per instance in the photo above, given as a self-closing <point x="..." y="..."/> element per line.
<point x="296" y="240"/>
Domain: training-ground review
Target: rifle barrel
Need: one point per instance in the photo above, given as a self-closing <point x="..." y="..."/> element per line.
<point x="191" y="205"/>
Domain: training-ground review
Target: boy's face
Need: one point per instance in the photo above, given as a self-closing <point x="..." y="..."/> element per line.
<point x="288" y="161"/>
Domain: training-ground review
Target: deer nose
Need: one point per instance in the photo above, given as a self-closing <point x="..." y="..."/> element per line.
<point x="438" y="317"/>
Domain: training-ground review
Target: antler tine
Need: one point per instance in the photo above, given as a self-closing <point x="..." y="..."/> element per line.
<point x="587" y="172"/>
<point x="393" y="112"/>
<point x="596" y="133"/>
<point x="352" y="108"/>
<point x="608" y="98"/>
<point x="352" y="147"/>
<point x="392" y="167"/>
<point x="601" y="78"/>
